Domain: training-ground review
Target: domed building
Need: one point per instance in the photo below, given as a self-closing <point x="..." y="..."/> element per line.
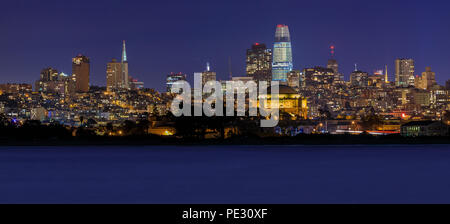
<point x="290" y="102"/>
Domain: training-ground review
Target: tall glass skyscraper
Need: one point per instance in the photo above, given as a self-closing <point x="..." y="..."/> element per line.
<point x="404" y="72"/>
<point x="282" y="54"/>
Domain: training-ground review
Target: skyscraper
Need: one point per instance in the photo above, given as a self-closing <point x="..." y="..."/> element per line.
<point x="282" y="54"/>
<point x="404" y="72"/>
<point x="294" y="79"/>
<point x="117" y="76"/>
<point x="259" y="62"/>
<point x="317" y="77"/>
<point x="80" y="71"/>
<point x="114" y="75"/>
<point x="333" y="65"/>
<point x="359" y="79"/>
<point x="427" y="80"/>
<point x="49" y="74"/>
<point x="56" y="83"/>
<point x="208" y="75"/>
<point x="386" y="75"/>
<point x="124" y="67"/>
<point x="172" y="78"/>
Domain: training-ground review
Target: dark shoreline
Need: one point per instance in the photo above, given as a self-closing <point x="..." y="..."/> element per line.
<point x="298" y="140"/>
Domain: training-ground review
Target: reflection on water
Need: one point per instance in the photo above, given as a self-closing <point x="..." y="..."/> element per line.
<point x="226" y="174"/>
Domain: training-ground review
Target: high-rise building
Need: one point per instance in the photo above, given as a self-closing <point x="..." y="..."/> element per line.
<point x="386" y="75"/>
<point x="114" y="75"/>
<point x="49" y="74"/>
<point x="333" y="65"/>
<point x="377" y="79"/>
<point x="124" y="67"/>
<point x="282" y="54"/>
<point x="135" y="84"/>
<point x="359" y="79"/>
<point x="208" y="75"/>
<point x="294" y="81"/>
<point x="427" y="80"/>
<point x="317" y="77"/>
<point x="447" y="84"/>
<point x="52" y="82"/>
<point x="80" y="71"/>
<point x="172" y="78"/>
<point x="259" y="62"/>
<point x="404" y="72"/>
<point x="117" y="77"/>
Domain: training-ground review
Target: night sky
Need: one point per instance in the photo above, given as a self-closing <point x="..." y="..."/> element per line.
<point x="181" y="36"/>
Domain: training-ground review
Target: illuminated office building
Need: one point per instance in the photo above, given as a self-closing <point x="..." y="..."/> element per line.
<point x="54" y="83"/>
<point x="317" y="77"/>
<point x="135" y="84"/>
<point x="333" y="65"/>
<point x="208" y="75"/>
<point x="282" y="54"/>
<point x="172" y="78"/>
<point x="80" y="71"/>
<point x="294" y="79"/>
<point x="117" y="77"/>
<point x="359" y="79"/>
<point x="427" y="80"/>
<point x="49" y="74"/>
<point x="259" y="62"/>
<point x="404" y="72"/>
<point x="114" y="75"/>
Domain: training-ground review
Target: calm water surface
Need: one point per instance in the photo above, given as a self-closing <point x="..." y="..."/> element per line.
<point x="226" y="174"/>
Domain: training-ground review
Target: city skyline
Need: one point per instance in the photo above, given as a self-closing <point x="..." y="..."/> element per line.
<point x="154" y="58"/>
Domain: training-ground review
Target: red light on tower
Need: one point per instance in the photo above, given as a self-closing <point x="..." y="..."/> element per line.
<point x="332" y="50"/>
<point x="256" y="44"/>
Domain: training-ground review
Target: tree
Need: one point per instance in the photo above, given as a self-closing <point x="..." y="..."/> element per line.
<point x="371" y="122"/>
<point x="143" y="125"/>
<point x="129" y="127"/>
<point x="4" y="121"/>
<point x="446" y="116"/>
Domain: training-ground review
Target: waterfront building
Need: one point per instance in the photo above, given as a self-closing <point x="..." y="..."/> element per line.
<point x="290" y="103"/>
<point x="424" y="128"/>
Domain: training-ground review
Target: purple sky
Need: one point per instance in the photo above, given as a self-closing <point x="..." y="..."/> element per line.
<point x="181" y="36"/>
